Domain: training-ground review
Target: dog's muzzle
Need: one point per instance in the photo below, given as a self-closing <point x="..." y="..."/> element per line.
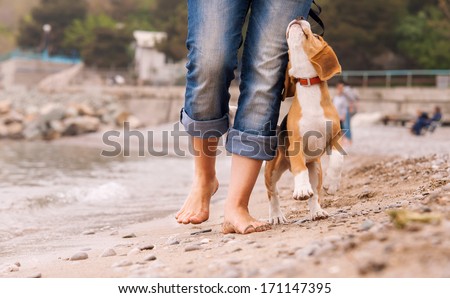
<point x="297" y="21"/>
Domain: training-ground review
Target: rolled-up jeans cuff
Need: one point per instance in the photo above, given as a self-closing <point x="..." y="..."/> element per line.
<point x="251" y="145"/>
<point x="204" y="129"/>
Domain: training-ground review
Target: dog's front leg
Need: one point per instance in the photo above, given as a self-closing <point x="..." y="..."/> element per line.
<point x="335" y="166"/>
<point x="315" y="176"/>
<point x="302" y="186"/>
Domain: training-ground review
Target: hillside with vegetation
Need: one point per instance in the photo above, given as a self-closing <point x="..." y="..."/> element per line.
<point x="379" y="34"/>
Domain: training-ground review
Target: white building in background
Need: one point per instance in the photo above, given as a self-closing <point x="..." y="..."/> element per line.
<point x="151" y="65"/>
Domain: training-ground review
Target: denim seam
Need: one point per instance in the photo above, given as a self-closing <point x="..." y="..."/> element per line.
<point x="204" y="128"/>
<point x="251" y="145"/>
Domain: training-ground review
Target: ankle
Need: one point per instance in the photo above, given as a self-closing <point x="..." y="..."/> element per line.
<point x="205" y="178"/>
<point x="236" y="208"/>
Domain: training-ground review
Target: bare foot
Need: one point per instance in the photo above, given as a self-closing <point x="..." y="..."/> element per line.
<point x="239" y="221"/>
<point x="196" y="207"/>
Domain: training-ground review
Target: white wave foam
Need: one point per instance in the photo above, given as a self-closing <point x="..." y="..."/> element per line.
<point x="104" y="193"/>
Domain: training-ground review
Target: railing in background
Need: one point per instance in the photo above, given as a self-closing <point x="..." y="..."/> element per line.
<point x="43" y="56"/>
<point x="396" y="78"/>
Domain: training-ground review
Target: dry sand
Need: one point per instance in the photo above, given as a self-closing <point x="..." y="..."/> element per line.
<point x="358" y="240"/>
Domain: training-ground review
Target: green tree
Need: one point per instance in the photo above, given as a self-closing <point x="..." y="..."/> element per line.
<point x="362" y="31"/>
<point x="109" y="48"/>
<point x="101" y="41"/>
<point x="175" y="25"/>
<point x="425" y="38"/>
<point x="59" y="14"/>
<point x="81" y="33"/>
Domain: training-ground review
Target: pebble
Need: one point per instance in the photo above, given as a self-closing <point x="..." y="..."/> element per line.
<point x="333" y="238"/>
<point x="334" y="270"/>
<point x="434" y="194"/>
<point x="150" y="258"/>
<point x="147" y="247"/>
<point x="79" y="256"/>
<point x="367" y="236"/>
<point x="124" y="263"/>
<point x="192" y="248"/>
<point x="306" y="252"/>
<point x="132" y="235"/>
<point x="90" y="232"/>
<point x="12" y="268"/>
<point x="371" y="266"/>
<point x="231" y="272"/>
<point x="108" y="253"/>
<point x="17" y="264"/>
<point x="366" y="225"/>
<point x="367" y="193"/>
<point x="418" y="197"/>
<point x="437" y="176"/>
<point x="86" y="249"/>
<point x="302" y="221"/>
<point x="201" y="232"/>
<point x="234" y="261"/>
<point x="134" y="252"/>
<point x="446" y="187"/>
<point x="35" y="275"/>
<point x="172" y="241"/>
<point x="205" y="241"/>
<point x="114" y="233"/>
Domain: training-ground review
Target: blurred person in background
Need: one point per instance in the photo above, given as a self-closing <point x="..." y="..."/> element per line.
<point x="421" y="122"/>
<point x="435" y="121"/>
<point x="345" y="101"/>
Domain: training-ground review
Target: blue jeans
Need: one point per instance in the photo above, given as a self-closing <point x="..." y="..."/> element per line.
<point x="214" y="38"/>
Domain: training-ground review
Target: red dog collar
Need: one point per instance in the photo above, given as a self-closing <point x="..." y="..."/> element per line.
<point x="308" y="81"/>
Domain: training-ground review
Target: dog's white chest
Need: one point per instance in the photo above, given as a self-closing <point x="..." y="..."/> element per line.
<point x="312" y="123"/>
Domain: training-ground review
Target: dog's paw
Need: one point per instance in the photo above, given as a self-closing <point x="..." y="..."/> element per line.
<point x="303" y="192"/>
<point x="319" y="214"/>
<point x="276" y="217"/>
<point x="331" y="186"/>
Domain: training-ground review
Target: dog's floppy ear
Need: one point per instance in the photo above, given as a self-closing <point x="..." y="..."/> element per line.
<point x="289" y="84"/>
<point x="322" y="57"/>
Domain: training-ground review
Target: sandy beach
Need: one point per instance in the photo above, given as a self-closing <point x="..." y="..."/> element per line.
<point x="386" y="169"/>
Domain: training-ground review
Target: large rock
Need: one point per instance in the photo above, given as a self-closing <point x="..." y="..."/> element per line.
<point x="15" y="130"/>
<point x="52" y="112"/>
<point x="3" y="131"/>
<point x="5" y="106"/>
<point x="85" y="110"/>
<point x="134" y="122"/>
<point x="32" y="131"/>
<point x="12" y="117"/>
<point x="121" y="118"/>
<point x="80" y="125"/>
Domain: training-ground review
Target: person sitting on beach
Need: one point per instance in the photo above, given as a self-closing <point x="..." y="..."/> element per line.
<point x="435" y="120"/>
<point x="421" y="122"/>
<point x="213" y="41"/>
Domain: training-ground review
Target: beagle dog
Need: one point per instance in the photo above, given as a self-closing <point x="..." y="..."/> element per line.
<point x="311" y="127"/>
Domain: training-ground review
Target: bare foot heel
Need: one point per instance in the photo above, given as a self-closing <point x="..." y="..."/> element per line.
<point x="239" y="221"/>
